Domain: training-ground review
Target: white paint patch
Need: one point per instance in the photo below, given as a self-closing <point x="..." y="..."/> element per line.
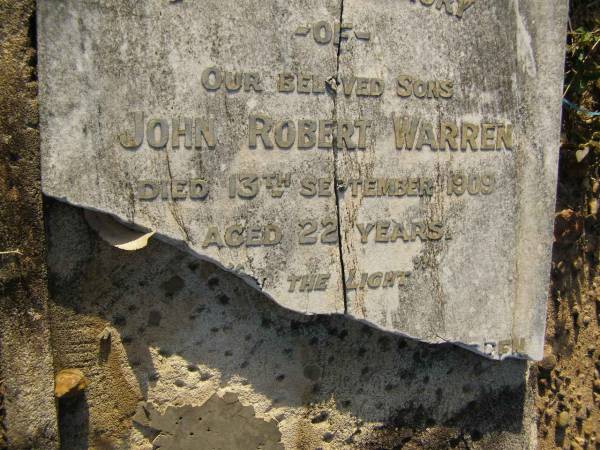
<point x="525" y="52"/>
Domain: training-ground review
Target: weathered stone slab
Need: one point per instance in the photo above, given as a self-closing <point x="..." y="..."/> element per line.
<point x="479" y="276"/>
<point x="440" y="177"/>
<point x="102" y="60"/>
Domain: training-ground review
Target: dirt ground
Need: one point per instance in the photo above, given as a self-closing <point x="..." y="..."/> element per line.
<point x="26" y="378"/>
<point x="568" y="381"/>
<point x="568" y="391"/>
<point x="2" y="428"/>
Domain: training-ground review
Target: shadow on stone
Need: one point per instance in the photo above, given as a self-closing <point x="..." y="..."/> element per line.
<point x="73" y="422"/>
<point x="188" y="328"/>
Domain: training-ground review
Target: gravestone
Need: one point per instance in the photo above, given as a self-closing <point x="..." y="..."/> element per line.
<point x="394" y="161"/>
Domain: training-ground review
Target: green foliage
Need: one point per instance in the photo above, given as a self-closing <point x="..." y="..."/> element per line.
<point x="583" y="67"/>
<point x="582" y="131"/>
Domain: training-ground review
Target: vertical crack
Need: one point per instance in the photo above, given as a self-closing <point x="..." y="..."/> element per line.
<point x="335" y="161"/>
<point x="173" y="205"/>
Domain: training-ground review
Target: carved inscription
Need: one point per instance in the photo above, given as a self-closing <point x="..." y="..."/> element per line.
<point x="250" y="185"/>
<point x="158" y="132"/>
<point x="195" y="189"/>
<point x="456" y="8"/>
<point x="307" y="134"/>
<point x="412" y="134"/>
<point x="324" y="231"/>
<point x="409" y="86"/>
<point x="325" y="33"/>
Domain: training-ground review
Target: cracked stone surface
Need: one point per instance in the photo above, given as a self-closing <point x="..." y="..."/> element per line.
<point x="483" y="285"/>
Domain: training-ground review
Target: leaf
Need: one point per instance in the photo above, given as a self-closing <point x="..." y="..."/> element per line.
<point x="582" y="153"/>
<point x="594" y="205"/>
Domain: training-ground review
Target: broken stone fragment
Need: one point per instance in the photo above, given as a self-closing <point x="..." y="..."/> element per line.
<point x="115" y="233"/>
<point x="105" y="335"/>
<point x="221" y="423"/>
<point x="69" y="383"/>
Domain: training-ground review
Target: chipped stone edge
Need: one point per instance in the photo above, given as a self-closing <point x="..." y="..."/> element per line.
<point x="255" y="284"/>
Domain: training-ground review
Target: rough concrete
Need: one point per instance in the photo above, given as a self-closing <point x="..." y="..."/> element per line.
<point x="481" y="283"/>
<point x="182" y="330"/>
<point x="27" y="409"/>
